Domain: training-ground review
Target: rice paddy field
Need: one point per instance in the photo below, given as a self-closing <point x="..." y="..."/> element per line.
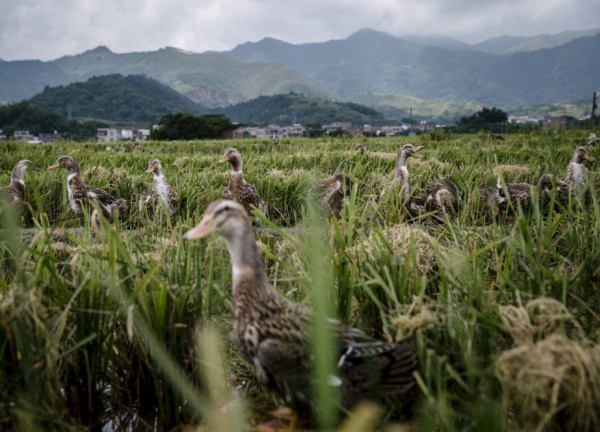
<point x="126" y="327"/>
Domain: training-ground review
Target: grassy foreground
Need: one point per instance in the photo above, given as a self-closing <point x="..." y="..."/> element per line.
<point x="129" y="326"/>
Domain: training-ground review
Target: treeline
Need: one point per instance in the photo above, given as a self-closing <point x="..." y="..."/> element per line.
<point x="495" y="120"/>
<point x="132" y="99"/>
<point x="185" y="126"/>
<point x="24" y="116"/>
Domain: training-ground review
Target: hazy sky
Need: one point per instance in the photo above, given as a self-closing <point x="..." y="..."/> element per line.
<point x="48" y="29"/>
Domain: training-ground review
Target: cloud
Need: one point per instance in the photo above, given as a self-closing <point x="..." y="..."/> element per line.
<point x="47" y="29"/>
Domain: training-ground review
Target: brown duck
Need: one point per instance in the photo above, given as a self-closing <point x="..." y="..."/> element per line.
<point x="438" y="198"/>
<point x="333" y="193"/>
<point x="574" y="181"/>
<point x="80" y="193"/>
<point x="15" y="192"/>
<point x="401" y="177"/>
<point x="505" y="198"/>
<point x="238" y="189"/>
<point x="272" y="333"/>
<point x="160" y="191"/>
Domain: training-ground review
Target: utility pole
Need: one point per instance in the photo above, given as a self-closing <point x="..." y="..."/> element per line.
<point x="594" y="106"/>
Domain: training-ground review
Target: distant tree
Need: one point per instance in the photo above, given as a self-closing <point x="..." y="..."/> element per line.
<point x="486" y="119"/>
<point x="313" y="130"/>
<point x="185" y="126"/>
<point x="25" y="116"/>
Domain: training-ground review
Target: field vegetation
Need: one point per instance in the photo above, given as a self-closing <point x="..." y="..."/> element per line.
<point x="128" y="326"/>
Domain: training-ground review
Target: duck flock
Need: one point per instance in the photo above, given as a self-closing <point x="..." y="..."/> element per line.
<point x="271" y="332"/>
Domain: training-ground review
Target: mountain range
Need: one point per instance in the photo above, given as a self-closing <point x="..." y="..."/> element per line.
<point x="385" y="72"/>
<point x="139" y="100"/>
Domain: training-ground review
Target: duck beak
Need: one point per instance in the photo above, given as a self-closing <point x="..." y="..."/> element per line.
<point x="54" y="165"/>
<point x="204" y="228"/>
<point x="148" y="171"/>
<point x="223" y="159"/>
<point x="419" y="148"/>
<point x="35" y="168"/>
<point x="588" y="156"/>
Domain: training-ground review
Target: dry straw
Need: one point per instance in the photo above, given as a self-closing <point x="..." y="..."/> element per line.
<point x="512" y="172"/>
<point x="404" y="240"/>
<point x="549" y="381"/>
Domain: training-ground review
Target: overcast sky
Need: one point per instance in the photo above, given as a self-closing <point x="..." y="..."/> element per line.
<point x="48" y="29"/>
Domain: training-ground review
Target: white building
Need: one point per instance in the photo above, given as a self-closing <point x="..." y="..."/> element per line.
<point x="107" y="135"/>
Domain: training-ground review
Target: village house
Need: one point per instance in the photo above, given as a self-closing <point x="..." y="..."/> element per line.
<point x="23" y="136"/>
<point x="50" y="137"/>
<point x="335" y="126"/>
<point x="107" y="135"/>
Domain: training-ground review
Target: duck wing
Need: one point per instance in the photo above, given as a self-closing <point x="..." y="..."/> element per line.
<point x="13" y="194"/>
<point x="370" y="368"/>
<point x="442" y="197"/>
<point x="100" y="195"/>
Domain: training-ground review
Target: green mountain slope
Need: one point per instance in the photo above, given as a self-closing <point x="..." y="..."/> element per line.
<point x="374" y="62"/>
<point x="211" y="78"/>
<point x="23" y="79"/>
<point x="515" y="44"/>
<point x="126" y="100"/>
<point x="295" y="108"/>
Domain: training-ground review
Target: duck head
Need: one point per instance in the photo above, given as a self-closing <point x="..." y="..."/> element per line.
<point x="232" y="156"/>
<point x="581" y="154"/>
<point x="409" y="150"/>
<point x="224" y="217"/>
<point x="155" y="167"/>
<point x="545" y="183"/>
<point x="345" y="181"/>
<point x="67" y="162"/>
<point x="20" y="169"/>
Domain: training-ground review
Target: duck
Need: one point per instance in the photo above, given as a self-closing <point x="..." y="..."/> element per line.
<point x="333" y="194"/>
<point x="160" y="191"/>
<point x="238" y="189"/>
<point x="273" y="333"/>
<point x="401" y="177"/>
<point x="574" y="181"/>
<point x="80" y="193"/>
<point x="575" y="177"/>
<point x="14" y="193"/>
<point x="439" y="198"/>
<point x="592" y="140"/>
<point x="504" y="198"/>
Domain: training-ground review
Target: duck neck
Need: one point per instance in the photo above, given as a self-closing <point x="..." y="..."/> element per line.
<point x="247" y="266"/>
<point x="575" y="176"/>
<point x="401" y="174"/>
<point x="236" y="164"/>
<point x="236" y="179"/>
<point x="17" y="181"/>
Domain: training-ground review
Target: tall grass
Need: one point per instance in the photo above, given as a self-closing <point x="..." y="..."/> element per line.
<point x="101" y="328"/>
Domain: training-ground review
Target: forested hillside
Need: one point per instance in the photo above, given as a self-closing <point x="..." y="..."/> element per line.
<point x="117" y="98"/>
<point x="295" y="108"/>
